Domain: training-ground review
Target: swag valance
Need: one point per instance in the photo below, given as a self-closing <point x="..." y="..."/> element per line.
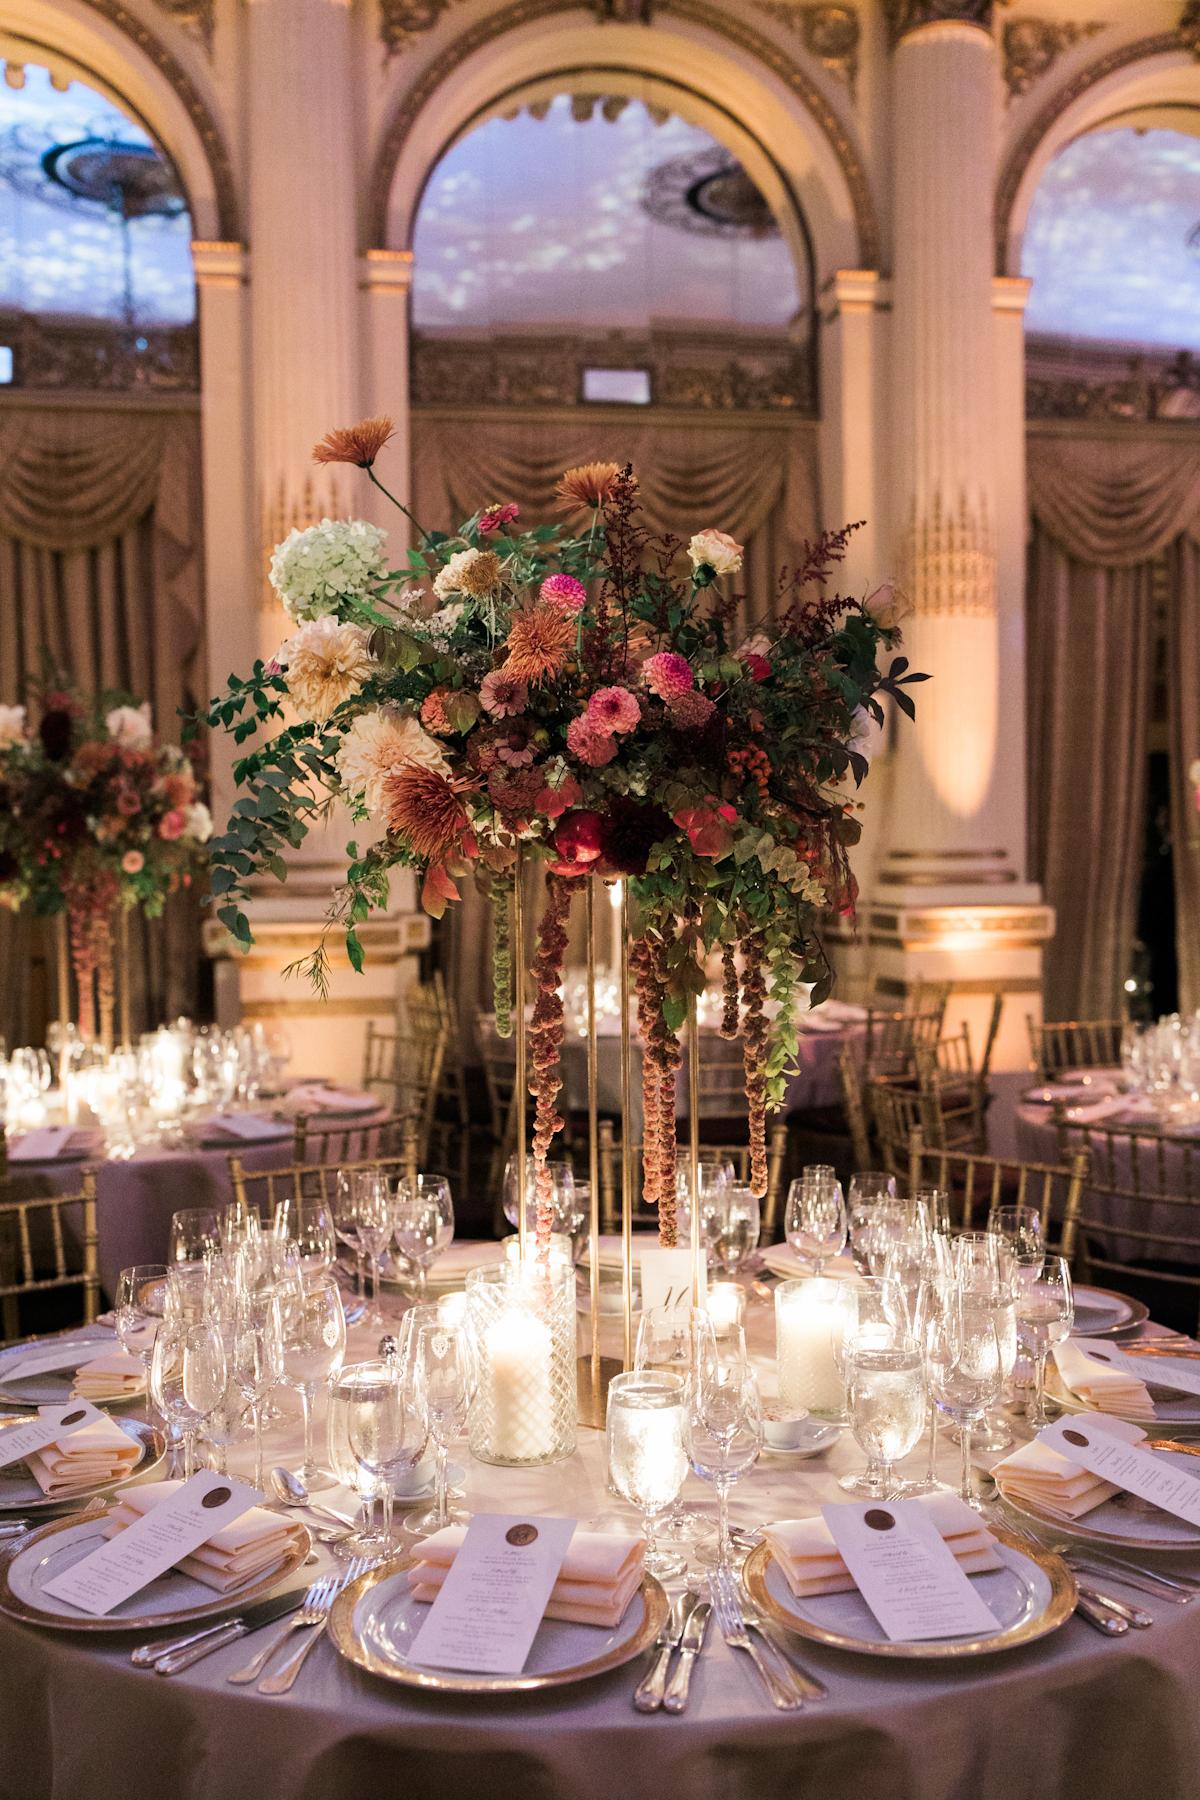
<point x="1115" y="500"/>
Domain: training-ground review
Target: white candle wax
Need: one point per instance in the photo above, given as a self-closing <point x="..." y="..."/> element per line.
<point x="560" y="1249"/>
<point x="452" y="1308"/>
<point x="806" y="1320"/>
<point x="725" y="1300"/>
<point x="517" y="1349"/>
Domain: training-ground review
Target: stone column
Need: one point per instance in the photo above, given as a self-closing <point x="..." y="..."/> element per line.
<point x="385" y="280"/>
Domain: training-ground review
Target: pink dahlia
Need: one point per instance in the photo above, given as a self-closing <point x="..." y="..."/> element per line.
<point x="496" y="516"/>
<point x="564" y="592"/>
<point x="172" y="826"/>
<point x="691" y="712"/>
<point x="133" y="862"/>
<point x="613" y="709"/>
<point x="667" y="675"/>
<point x="590" y="745"/>
<point x="503" y="695"/>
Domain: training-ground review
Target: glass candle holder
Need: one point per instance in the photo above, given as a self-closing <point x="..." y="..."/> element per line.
<point x="806" y="1321"/>
<point x="525" y="1406"/>
<point x="726" y="1306"/>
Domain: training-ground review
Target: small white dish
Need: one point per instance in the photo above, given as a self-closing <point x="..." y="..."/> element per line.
<point x="785" y="1427"/>
<point x="814" y="1437"/>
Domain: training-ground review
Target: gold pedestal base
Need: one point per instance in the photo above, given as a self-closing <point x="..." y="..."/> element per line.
<point x="593" y="1396"/>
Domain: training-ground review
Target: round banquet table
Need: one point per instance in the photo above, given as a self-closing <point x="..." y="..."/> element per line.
<point x="1072" y="1717"/>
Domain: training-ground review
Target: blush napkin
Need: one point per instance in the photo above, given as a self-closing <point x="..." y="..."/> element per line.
<point x="101" y="1452"/>
<point x="600" y="1574"/>
<point x="1108" y="1390"/>
<point x="1049" y="1481"/>
<point x="114" y="1376"/>
<point x="252" y="1546"/>
<point x="812" y="1563"/>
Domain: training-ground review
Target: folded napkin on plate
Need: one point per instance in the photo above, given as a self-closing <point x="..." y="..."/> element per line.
<point x="114" y="1375"/>
<point x="812" y="1563"/>
<point x="251" y="1127"/>
<point x="251" y="1545"/>
<point x="1052" y="1482"/>
<point x="41" y="1145"/>
<point x="1108" y="1390"/>
<point x="312" y="1097"/>
<point x="600" y="1574"/>
<point x="88" y="1458"/>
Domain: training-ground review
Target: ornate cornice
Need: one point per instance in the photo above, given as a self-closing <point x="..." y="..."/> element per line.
<point x="173" y="71"/>
<point x="1026" y="147"/>
<point x="830" y="33"/>
<point x="1031" y="47"/>
<point x="524" y="12"/>
<point x="904" y="16"/>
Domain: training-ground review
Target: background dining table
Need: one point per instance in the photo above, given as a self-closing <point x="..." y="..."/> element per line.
<point x="1073" y="1716"/>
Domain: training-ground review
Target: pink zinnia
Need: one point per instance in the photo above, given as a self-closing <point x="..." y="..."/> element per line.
<point x="691" y="711"/>
<point x="172" y="826"/>
<point x="133" y="862"/>
<point x="503" y="695"/>
<point x="588" y="744"/>
<point x="564" y="592"/>
<point x="128" y="804"/>
<point x="496" y="516"/>
<point x="667" y="675"/>
<point x="613" y="709"/>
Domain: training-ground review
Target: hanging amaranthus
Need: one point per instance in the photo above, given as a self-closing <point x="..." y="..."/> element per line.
<point x="502" y="890"/>
<point x="89" y="911"/>
<point x="756" y="1031"/>
<point x="729" y="1018"/>
<point x="546" y="1035"/>
<point x="661" y="1053"/>
<point x="641" y="961"/>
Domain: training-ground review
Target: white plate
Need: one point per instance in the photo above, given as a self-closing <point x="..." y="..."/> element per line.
<point x="816" y="1436"/>
<point x="19" y="1492"/>
<point x="53" y="1385"/>
<point x="1124" y="1522"/>
<point x="1099" y="1312"/>
<point x="1177" y="1410"/>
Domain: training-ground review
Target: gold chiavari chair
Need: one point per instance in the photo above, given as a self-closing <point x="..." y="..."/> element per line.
<point x="918" y="997"/>
<point x="408" y="1070"/>
<point x="976" y="1185"/>
<point x="854" y="1106"/>
<point x="41" y="1238"/>
<point x="267" y="1189"/>
<point x="354" y="1141"/>
<point x="433" y="1020"/>
<point x="1074" y="1044"/>
<point x="891" y="1038"/>
<point x="737" y="1154"/>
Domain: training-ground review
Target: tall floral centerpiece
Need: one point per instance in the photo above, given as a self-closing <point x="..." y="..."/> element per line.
<point x="96" y="817"/>
<point x="575" y="692"/>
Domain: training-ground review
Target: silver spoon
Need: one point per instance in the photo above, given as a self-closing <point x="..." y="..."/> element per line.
<point x="290" y="1490"/>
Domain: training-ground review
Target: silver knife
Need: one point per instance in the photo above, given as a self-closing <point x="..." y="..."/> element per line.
<point x="648" y="1695"/>
<point x="692" y="1643"/>
<point x="203" y="1642"/>
<point x="1133" y="1615"/>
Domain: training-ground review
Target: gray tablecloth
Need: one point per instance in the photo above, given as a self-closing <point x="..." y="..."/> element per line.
<point x="1162" y="1167"/>
<point x="1074" y="1717"/>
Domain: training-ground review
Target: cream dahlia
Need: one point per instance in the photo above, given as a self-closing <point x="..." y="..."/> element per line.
<point x="379" y="744"/>
<point x="327" y="663"/>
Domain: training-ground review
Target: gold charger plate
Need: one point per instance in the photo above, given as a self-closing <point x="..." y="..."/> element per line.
<point x="1058" y="1607"/>
<point x="1173" y="1409"/>
<point x="1138" y="1312"/>
<point x="18" y="1607"/>
<point x="151" y="1442"/>
<point x="348" y="1643"/>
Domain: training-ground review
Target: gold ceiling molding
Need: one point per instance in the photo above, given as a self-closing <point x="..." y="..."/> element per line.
<point x="197" y="17"/>
<point x="1031" y="47"/>
<point x="173" y="71"/>
<point x="830" y="33"/>
<point x="525" y="12"/>
<point x="1186" y="36"/>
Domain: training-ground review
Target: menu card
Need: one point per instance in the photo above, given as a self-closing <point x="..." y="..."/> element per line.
<point x="1159" y="1371"/>
<point x="906" y="1572"/>
<point x="138" y="1555"/>
<point x="1127" y="1466"/>
<point x="42" y="1145"/>
<point x="53" y="1422"/>
<point x="64" y="1356"/>
<point x="491" y="1603"/>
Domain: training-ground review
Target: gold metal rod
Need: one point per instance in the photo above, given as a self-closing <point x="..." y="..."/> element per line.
<point x="626" y="1140"/>
<point x="125" y="1038"/>
<point x="593" y="1133"/>
<point x="64" y="969"/>
<point x="693" y="1056"/>
<point x="518" y="933"/>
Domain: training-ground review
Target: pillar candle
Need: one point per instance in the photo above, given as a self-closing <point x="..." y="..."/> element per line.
<point x="517" y="1351"/>
<point x="806" y="1319"/>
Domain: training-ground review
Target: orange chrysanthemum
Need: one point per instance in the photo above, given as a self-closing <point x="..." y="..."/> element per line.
<point x="585" y="486"/>
<point x="538" y="641"/>
<point x="425" y="808"/>
<point x="358" y="444"/>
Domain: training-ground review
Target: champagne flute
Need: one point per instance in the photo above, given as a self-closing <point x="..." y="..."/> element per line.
<point x="1045" y="1313"/>
<point x="387" y="1427"/>
<point x="313" y="1343"/>
<point x="141" y="1303"/>
<point x="424" y="1224"/>
<point x="257" y="1360"/>
<point x="442" y="1365"/>
<point x="885" y="1398"/>
<point x="965" y="1370"/>
<point x="187" y="1377"/>
<point x="815" y="1219"/>
<point x="723" y="1428"/>
<point x="374" y="1231"/>
<point x="646" y="1460"/>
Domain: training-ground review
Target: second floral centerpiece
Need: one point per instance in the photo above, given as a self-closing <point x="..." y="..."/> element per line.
<point x="577" y="694"/>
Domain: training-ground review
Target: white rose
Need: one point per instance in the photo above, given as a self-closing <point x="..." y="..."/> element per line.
<point x="197" y="822"/>
<point x="315" y="569"/>
<point x="716" y="550"/>
<point x="888" y="605"/>
<point x="130" y="726"/>
<point x="865" y="734"/>
<point x="12" y="725"/>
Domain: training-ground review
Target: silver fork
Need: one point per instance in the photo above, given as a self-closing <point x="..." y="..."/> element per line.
<point x="285" y="1675"/>
<point x="310" y="1613"/>
<point x="774" y="1635"/>
<point x="733" y="1630"/>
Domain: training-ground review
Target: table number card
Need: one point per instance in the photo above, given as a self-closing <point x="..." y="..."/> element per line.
<point x="666" y="1279"/>
<point x="1158" y="1371"/>
<point x="1130" y="1467"/>
<point x="52" y="1423"/>
<point x="491" y="1603"/>
<point x="142" y="1552"/>
<point x="906" y="1572"/>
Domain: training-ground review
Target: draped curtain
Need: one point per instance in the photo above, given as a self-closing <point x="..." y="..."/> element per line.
<point x="757" y="482"/>
<point x="101" y="576"/>
<point x="1104" y="509"/>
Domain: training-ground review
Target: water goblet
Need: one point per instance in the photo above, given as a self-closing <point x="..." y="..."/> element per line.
<point x="141" y="1303"/>
<point x="307" y="1222"/>
<point x="664" y="1346"/>
<point x="387" y="1428"/>
<point x="646" y="1459"/>
<point x="965" y="1371"/>
<point x="424" y="1223"/>
<point x="257" y="1360"/>
<point x="188" y="1375"/>
<point x="885" y="1400"/>
<point x="313" y="1343"/>
<point x="723" y="1431"/>
<point x="738" y="1223"/>
<point x="1020" y="1226"/>
<point x="815" y="1218"/>
<point x="866" y="1311"/>
<point x="867" y="1188"/>
<point x="195" y="1234"/>
<point x="1045" y="1312"/>
<point x="375" y="1227"/>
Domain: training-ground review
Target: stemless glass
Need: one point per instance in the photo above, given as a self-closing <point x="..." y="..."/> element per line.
<point x="664" y="1346"/>
<point x="187" y="1378"/>
<point x="1045" y="1312"/>
<point x="442" y="1365"/>
<point x="723" y="1429"/>
<point x="738" y="1225"/>
<point x="885" y="1399"/>
<point x="195" y="1235"/>
<point x="257" y="1360"/>
<point x="386" y="1428"/>
<point x="965" y="1371"/>
<point x="646" y="1460"/>
<point x="424" y="1224"/>
<point x="313" y="1343"/>
<point x="815" y="1218"/>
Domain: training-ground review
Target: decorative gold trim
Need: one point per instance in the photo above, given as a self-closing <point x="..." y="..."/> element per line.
<point x="1031" y="47"/>
<point x="525" y="12"/>
<point x="830" y="33"/>
<point x="383" y="1006"/>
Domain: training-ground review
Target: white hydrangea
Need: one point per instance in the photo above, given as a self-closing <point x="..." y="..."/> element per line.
<point x="130" y="726"/>
<point x="314" y="569"/>
<point x="197" y="822"/>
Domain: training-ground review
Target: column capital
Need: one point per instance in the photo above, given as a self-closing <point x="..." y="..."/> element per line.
<point x="907" y="16"/>
<point x="858" y="290"/>
<point x="386" y="271"/>
<point x="1010" y="293"/>
<point x="219" y="265"/>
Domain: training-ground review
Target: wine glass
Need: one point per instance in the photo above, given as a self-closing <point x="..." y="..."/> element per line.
<point x="387" y="1428"/>
<point x="368" y="1539"/>
<point x="870" y="1310"/>
<point x="374" y="1216"/>
<point x="932" y="1206"/>
<point x="141" y="1303"/>
<point x="307" y="1222"/>
<point x="646" y="1459"/>
<point x="1020" y="1226"/>
<point x="738" y="1223"/>
<point x="965" y="1371"/>
<point x="712" y="1179"/>
<point x="442" y="1365"/>
<point x="723" y="1428"/>
<point x="563" y="1199"/>
<point x="1045" y="1313"/>
<point x="885" y="1399"/>
<point x="815" y="1220"/>
<point x="424" y="1224"/>
<point x="867" y="1188"/>
<point x="313" y="1343"/>
<point x="257" y="1360"/>
<point x="187" y="1377"/>
<point x="195" y="1234"/>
